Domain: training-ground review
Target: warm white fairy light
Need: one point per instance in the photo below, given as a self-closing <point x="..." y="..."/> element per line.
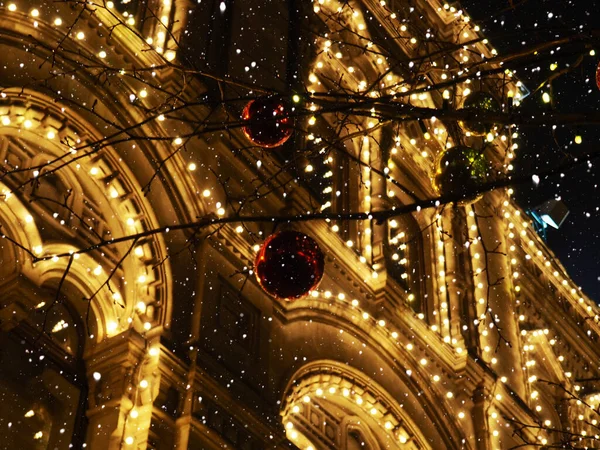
<point x="441" y="272"/>
<point x="112" y="326"/>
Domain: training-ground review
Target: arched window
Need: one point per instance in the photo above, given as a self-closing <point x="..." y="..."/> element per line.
<point x="404" y="262"/>
<point x="43" y="390"/>
<point x="407" y="236"/>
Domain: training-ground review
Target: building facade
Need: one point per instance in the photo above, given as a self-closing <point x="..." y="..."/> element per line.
<point x="450" y="326"/>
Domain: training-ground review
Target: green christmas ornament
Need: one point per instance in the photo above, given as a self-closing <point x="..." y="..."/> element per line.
<point x="479" y="101"/>
<point x="460" y="171"/>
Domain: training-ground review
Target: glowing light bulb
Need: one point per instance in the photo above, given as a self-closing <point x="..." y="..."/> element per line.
<point x="111" y="326"/>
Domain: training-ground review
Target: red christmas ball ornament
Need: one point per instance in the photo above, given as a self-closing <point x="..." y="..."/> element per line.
<point x="289" y="265"/>
<point x="598" y="76"/>
<point x="267" y="123"/>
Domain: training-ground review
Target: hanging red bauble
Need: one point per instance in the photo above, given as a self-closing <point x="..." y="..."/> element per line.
<point x="268" y="125"/>
<point x="598" y="76"/>
<point x="289" y="265"/>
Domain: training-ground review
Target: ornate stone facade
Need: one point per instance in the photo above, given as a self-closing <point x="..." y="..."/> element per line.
<point x="442" y="328"/>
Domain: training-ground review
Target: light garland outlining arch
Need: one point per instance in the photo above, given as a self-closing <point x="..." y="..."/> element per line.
<point x="21" y="227"/>
<point x="33" y="117"/>
<point x="518" y="231"/>
<point x="195" y="198"/>
<point x="104" y="307"/>
<point x="330" y="62"/>
<point x="27" y="118"/>
<point x="344" y="385"/>
<point x="423" y="147"/>
<point x="421" y="364"/>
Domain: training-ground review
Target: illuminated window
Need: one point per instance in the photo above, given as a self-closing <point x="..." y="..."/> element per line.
<point x="404" y="261"/>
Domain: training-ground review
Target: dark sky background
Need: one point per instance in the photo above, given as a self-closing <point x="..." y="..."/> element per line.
<point x="512" y="25"/>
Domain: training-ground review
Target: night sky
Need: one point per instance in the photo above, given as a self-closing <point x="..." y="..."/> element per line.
<point x="512" y="25"/>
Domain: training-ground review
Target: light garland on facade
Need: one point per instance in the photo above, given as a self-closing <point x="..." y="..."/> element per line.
<point x="26" y="121"/>
<point x="345" y="390"/>
<point x="521" y="235"/>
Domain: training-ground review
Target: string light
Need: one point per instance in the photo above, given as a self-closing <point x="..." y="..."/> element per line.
<point x="366" y="254"/>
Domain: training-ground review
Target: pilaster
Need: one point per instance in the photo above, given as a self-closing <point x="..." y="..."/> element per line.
<point x="457" y="268"/>
<point x="503" y="336"/>
<point x="123" y="379"/>
<point x="481" y="404"/>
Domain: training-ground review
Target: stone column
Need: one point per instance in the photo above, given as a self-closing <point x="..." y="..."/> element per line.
<point x="505" y="333"/>
<point x="458" y="269"/>
<point x="480" y="419"/>
<point x="180" y="19"/>
<point x="123" y="382"/>
<point x="379" y="202"/>
<point x="183" y="425"/>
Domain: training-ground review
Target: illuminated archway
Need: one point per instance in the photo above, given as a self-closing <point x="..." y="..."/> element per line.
<point x="104" y="202"/>
<point x="331" y="405"/>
